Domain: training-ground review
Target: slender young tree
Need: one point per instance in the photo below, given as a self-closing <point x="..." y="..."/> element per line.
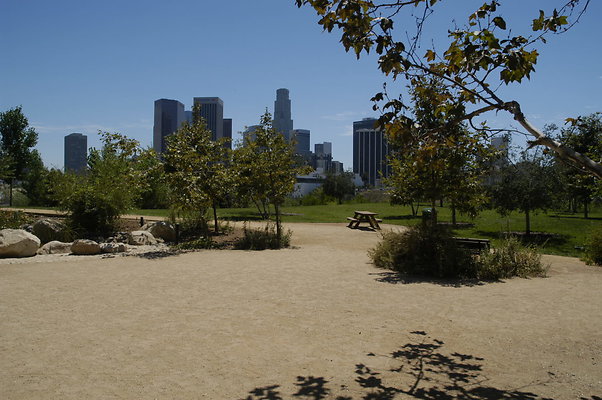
<point x="198" y="168"/>
<point x="266" y="167"/>
<point x="437" y="157"/>
<point x="17" y="139"/>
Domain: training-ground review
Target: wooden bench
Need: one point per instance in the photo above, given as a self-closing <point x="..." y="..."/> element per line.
<point x="473" y="244"/>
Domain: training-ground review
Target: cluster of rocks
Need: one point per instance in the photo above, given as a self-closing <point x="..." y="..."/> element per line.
<point x="53" y="236"/>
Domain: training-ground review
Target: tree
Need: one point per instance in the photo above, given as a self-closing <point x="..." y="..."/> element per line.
<point x="266" y="168"/>
<point x="16" y="140"/>
<point x="339" y="185"/>
<point x="525" y="186"/>
<point x="438" y="157"/>
<point x="584" y="134"/>
<point x="110" y="187"/>
<point x="197" y="167"/>
<point x="480" y="57"/>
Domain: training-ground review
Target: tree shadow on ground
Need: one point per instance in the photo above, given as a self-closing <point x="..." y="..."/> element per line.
<point x="420" y="369"/>
<point x="573" y="216"/>
<point x="246" y="217"/>
<point x="396" y="278"/>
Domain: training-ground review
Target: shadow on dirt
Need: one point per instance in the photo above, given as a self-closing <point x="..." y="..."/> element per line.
<point x="420" y="369"/>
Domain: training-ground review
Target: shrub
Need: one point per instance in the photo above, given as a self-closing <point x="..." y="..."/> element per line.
<point x="13" y="219"/>
<point x="510" y="259"/>
<point x="91" y="213"/>
<point x="424" y="251"/>
<point x="204" y="242"/>
<point x="261" y="239"/>
<point x="433" y="252"/>
<point x="593" y="247"/>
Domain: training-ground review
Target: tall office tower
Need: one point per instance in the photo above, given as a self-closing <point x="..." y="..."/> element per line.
<point x="188" y="117"/>
<point x="169" y="116"/>
<point x="370" y="152"/>
<point x="282" y="114"/>
<point x="249" y="133"/>
<point x="76" y="152"/>
<point x="337" y="167"/>
<point x="323" y="156"/>
<point x="301" y="137"/>
<point x="212" y="111"/>
<point x="228" y="132"/>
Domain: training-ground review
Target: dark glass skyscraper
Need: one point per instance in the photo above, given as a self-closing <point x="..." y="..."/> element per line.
<point x="282" y="113"/>
<point x="370" y="152"/>
<point x="76" y="152"/>
<point x="228" y="131"/>
<point x="212" y="111"/>
<point x="301" y="137"/>
<point x="169" y="116"/>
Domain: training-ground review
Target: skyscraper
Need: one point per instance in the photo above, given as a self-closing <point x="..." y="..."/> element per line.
<point x="301" y="137"/>
<point x="76" y="152"/>
<point x="323" y="156"/>
<point x="212" y="111"/>
<point x="282" y="113"/>
<point x="169" y="116"/>
<point x="228" y="132"/>
<point x="370" y="152"/>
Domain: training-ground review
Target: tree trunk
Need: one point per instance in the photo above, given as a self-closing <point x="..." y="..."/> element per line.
<point x="414" y="211"/>
<point x="441" y="203"/>
<point x="215" y="217"/>
<point x="278" y="228"/>
<point x="527" y="223"/>
<point x="586" y="208"/>
<point x="10" y="192"/>
<point x="453" y="210"/>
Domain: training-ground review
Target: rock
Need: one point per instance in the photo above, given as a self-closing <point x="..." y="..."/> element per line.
<point x="18" y="243"/>
<point x="48" y="230"/>
<point x="85" y="247"/>
<point x="162" y="230"/>
<point x="141" y="238"/>
<point x="113" y="247"/>
<point x="55" y="247"/>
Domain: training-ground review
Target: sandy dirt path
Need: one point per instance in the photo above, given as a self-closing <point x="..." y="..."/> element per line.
<point x="318" y="321"/>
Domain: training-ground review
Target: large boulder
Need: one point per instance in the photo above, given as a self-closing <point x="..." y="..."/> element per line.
<point x="113" y="247"/>
<point x="141" y="238"/>
<point x="162" y="230"/>
<point x="48" y="230"/>
<point x="85" y="247"/>
<point x="55" y="247"/>
<point x="18" y="243"/>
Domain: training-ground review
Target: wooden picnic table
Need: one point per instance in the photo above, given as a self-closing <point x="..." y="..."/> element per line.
<point x="364" y="216"/>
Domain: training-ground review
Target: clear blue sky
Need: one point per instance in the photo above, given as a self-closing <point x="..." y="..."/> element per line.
<point x="82" y="66"/>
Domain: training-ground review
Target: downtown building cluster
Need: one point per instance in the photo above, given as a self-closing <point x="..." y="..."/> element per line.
<point x="370" y="148"/>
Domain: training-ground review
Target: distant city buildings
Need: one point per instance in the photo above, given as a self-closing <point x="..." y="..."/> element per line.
<point x="76" y="152"/>
<point x="301" y="138"/>
<point x="282" y="113"/>
<point x="169" y="116"/>
<point x="322" y="159"/>
<point x="370" y="152"/>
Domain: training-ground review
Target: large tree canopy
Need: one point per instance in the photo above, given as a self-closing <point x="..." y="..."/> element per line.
<point x="478" y="59"/>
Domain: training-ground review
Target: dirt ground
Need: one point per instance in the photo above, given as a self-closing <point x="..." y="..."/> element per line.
<point x="314" y="322"/>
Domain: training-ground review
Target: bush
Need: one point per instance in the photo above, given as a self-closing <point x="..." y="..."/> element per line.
<point x="433" y="252"/>
<point x="511" y="259"/>
<point x="91" y="213"/>
<point x="204" y="242"/>
<point x="424" y="251"/>
<point x="261" y="239"/>
<point x="593" y="247"/>
<point x="13" y="219"/>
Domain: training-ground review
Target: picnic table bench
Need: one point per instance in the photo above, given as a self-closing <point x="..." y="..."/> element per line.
<point x="364" y="216"/>
<point x="473" y="244"/>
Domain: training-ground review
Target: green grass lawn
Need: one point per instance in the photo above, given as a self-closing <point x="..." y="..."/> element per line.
<point x="569" y="230"/>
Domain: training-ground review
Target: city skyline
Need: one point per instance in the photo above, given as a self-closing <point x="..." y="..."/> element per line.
<point x="78" y="67"/>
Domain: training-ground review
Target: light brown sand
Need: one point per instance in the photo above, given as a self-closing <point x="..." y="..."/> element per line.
<point x="224" y="324"/>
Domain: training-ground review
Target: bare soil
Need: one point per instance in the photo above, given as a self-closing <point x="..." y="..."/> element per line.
<point x="317" y="321"/>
